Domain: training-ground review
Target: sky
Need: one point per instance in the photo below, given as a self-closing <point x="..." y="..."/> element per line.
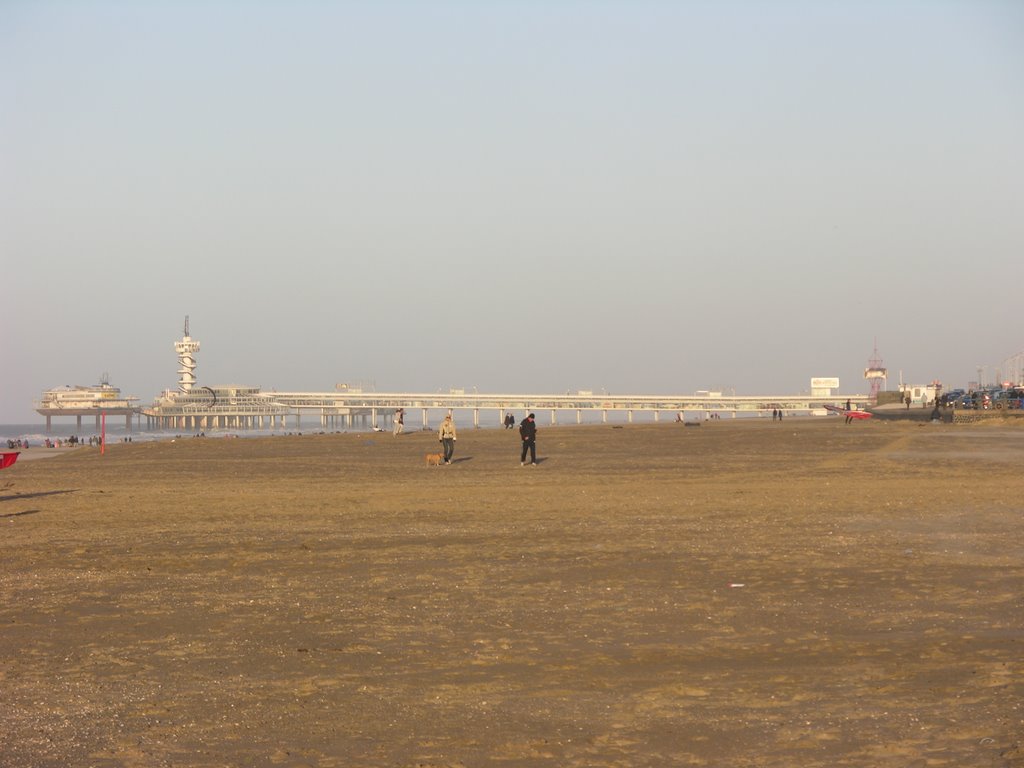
<point x="642" y="197"/>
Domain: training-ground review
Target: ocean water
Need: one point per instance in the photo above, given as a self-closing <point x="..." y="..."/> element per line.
<point x="64" y="428"/>
<point x="36" y="434"/>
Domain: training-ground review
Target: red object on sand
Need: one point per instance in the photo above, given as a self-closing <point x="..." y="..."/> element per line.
<point x="6" y="459"/>
<point x="848" y="412"/>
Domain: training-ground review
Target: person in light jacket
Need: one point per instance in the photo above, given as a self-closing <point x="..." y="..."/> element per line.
<point x="446" y="435"/>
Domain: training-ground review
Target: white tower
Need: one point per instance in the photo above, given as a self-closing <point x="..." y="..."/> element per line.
<point x="185" y="349"/>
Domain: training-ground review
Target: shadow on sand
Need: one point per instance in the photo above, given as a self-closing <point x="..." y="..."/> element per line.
<point x="19" y="514"/>
<point x="20" y="496"/>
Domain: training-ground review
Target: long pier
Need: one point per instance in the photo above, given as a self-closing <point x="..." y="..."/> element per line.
<point x="347" y="409"/>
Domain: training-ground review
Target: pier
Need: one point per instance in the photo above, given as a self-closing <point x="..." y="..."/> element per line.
<point x="195" y="408"/>
<point x="347" y="410"/>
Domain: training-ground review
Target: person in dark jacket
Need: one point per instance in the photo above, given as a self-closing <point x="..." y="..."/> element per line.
<point x="528" y="433"/>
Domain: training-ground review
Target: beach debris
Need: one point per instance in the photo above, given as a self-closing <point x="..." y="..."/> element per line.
<point x="737" y="585"/>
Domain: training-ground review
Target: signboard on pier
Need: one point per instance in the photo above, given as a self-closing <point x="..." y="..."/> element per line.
<point x="822" y="386"/>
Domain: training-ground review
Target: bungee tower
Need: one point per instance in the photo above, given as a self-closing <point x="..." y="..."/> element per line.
<point x="186" y="348"/>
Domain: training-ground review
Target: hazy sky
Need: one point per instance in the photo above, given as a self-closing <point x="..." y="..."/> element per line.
<point x="638" y="197"/>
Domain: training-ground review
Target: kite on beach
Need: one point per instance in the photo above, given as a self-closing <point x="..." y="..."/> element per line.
<point x="849" y="413"/>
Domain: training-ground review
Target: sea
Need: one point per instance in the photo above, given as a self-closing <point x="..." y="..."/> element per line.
<point x="36" y="434"/>
<point x="62" y="429"/>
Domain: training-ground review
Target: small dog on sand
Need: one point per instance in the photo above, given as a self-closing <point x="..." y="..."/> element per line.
<point x="433" y="459"/>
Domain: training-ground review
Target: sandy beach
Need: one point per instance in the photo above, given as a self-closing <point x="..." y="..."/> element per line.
<point x="740" y="593"/>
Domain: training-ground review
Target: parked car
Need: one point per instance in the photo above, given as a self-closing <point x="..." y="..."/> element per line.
<point x="952" y="397"/>
<point x="966" y="400"/>
<point x="1009" y="399"/>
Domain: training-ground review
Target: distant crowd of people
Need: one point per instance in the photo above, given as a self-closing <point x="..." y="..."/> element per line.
<point x="69" y="442"/>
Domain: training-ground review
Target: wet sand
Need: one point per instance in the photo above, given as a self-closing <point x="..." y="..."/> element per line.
<point x="736" y="594"/>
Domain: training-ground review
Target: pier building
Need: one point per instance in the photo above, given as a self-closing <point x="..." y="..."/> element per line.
<point x="98" y="400"/>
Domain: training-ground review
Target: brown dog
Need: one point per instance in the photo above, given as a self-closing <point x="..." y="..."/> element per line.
<point x="433" y="459"/>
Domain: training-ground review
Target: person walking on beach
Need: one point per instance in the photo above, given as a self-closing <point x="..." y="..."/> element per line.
<point x="528" y="434"/>
<point x="446" y="436"/>
<point x="399" y="421"/>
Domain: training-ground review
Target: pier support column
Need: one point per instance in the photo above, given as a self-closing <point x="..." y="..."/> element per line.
<point x="373" y="418"/>
<point x="629" y="416"/>
<point x="579" y="416"/>
<point x="656" y="417"/>
<point x="604" y="417"/>
<point x="78" y="422"/>
<point x="476" y="418"/>
<point x="424" y="418"/>
<point x="554" y="417"/>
